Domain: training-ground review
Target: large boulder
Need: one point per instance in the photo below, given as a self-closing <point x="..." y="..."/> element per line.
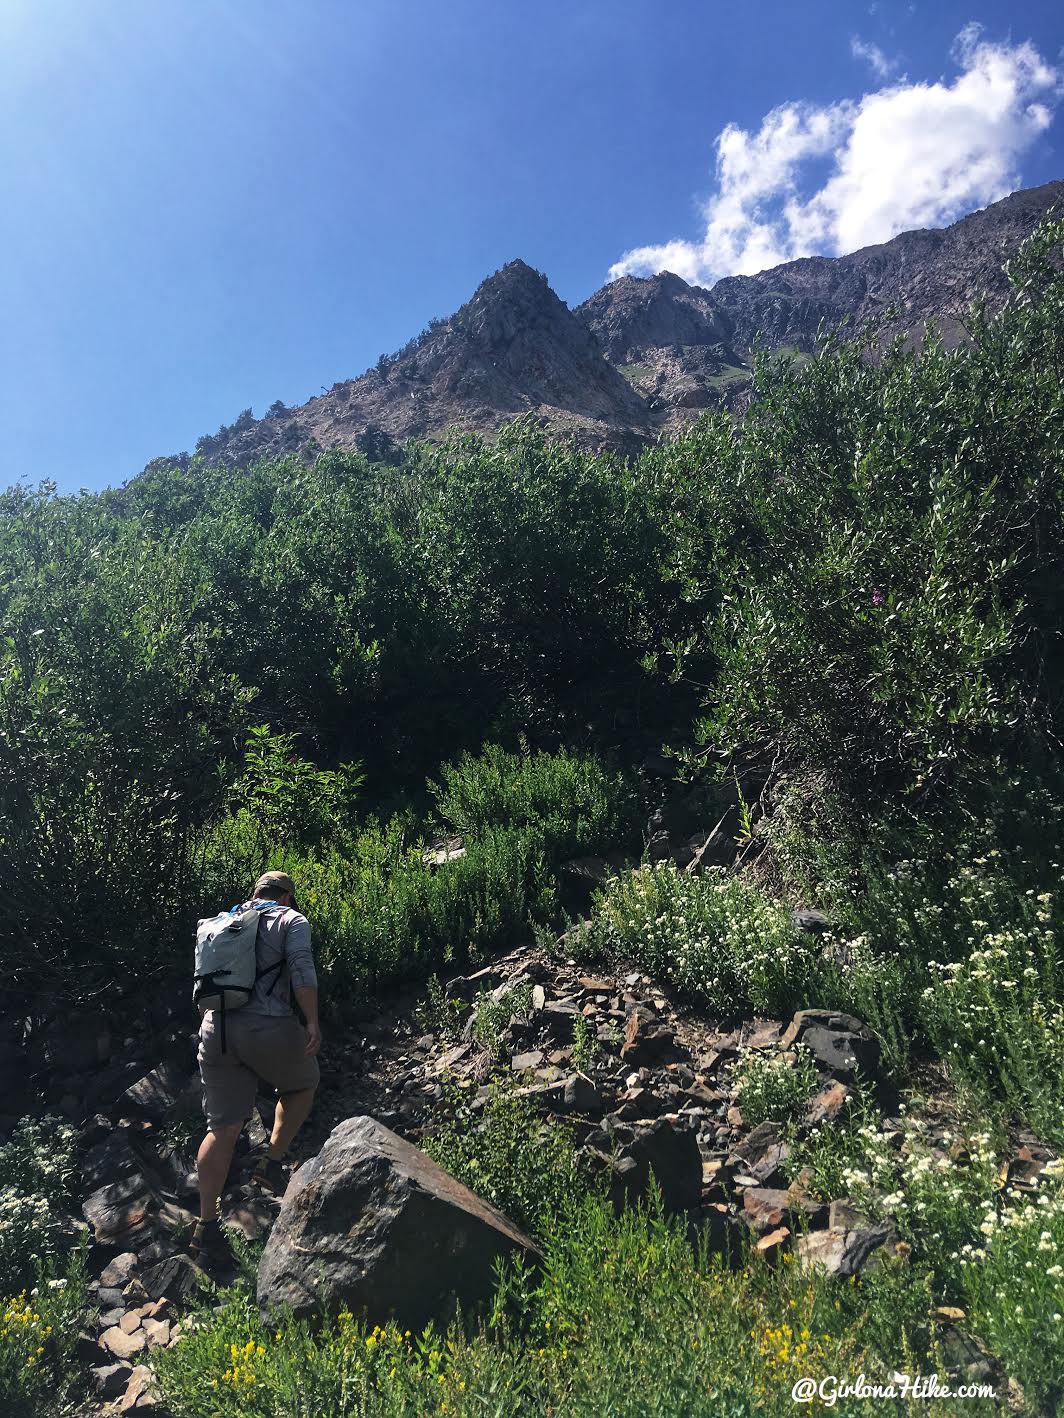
<point x="375" y="1224"/>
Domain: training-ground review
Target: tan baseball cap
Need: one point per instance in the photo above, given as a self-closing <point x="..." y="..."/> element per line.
<point x="272" y="883"/>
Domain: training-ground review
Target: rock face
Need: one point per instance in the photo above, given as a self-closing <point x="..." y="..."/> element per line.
<point x="373" y="1223"/>
<point x="641" y="356"/>
<point x="687" y="349"/>
<point x="673" y="342"/>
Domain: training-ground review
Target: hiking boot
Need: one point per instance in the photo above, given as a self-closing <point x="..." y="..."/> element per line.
<point x="208" y="1244"/>
<point x="268" y="1173"/>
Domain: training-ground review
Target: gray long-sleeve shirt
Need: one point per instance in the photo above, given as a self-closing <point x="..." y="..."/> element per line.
<point x="283" y="935"/>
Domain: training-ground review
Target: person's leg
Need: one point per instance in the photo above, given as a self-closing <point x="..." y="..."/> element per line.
<point x="228" y="1094"/>
<point x="212" y="1165"/>
<point x="289" y="1116"/>
<point x="277" y="1051"/>
<point x="278" y="1054"/>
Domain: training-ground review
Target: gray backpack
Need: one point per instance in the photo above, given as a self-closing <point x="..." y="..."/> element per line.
<point x="227" y="962"/>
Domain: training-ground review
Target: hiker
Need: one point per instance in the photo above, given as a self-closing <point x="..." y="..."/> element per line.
<point x="261" y="1040"/>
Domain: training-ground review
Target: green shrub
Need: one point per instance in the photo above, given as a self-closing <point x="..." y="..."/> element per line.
<point x="937" y="1199"/>
<point x="438" y="1013"/>
<point x="833" y="1157"/>
<point x="883" y="990"/>
<point x="572" y="804"/>
<point x="550" y="604"/>
<point x="228" y="1365"/>
<point x="948" y="916"/>
<point x="491" y="1016"/>
<point x="890" y="611"/>
<point x="379" y="915"/>
<point x="996" y="1018"/>
<point x="38" y="1335"/>
<point x="40" y="1157"/>
<point x="507" y="1155"/>
<point x="624" y="1318"/>
<point x="1013" y="1283"/>
<point x="860" y="583"/>
<point x="585" y="1044"/>
<point x="38" y="1172"/>
<point x="717" y="937"/>
<point x="30" y="1236"/>
<point x="114" y="717"/>
<point x="960" y="953"/>
<point x="288" y="799"/>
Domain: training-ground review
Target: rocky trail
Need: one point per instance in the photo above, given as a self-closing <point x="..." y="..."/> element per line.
<point x="647" y="1083"/>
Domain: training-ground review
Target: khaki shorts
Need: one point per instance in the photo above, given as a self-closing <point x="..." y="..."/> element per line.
<point x="258" y="1047"/>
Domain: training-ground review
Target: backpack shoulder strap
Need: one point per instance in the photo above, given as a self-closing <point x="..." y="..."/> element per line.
<point x="277" y="968"/>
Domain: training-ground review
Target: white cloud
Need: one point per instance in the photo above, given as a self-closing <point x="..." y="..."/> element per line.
<point x="882" y="67"/>
<point x="907" y="155"/>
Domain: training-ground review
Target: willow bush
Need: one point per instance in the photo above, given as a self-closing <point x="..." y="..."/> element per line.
<point x="858" y="583"/>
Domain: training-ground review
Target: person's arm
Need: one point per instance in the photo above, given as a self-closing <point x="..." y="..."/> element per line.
<point x="307" y="995"/>
<point x="303" y="978"/>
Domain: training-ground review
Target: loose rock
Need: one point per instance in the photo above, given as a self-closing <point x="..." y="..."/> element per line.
<point x="122" y="1345"/>
<point x="846" y="1252"/>
<point x="761" y="1154"/>
<point x="838" y="1042"/>
<point x="176" y="1278"/>
<point x="110" y="1380"/>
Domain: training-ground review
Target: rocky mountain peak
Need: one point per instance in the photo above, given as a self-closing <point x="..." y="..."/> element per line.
<point x="518" y="304"/>
<point x="642" y="356"/>
<point x="517" y="280"/>
<point x="635" y="314"/>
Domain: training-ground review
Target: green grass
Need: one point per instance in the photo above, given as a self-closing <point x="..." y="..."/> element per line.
<point x="625" y="1317"/>
<point x="730" y="374"/>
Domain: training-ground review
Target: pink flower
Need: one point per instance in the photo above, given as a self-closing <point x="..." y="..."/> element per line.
<point x="878" y="597"/>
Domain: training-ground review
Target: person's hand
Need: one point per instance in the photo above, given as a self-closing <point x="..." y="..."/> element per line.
<point x="313" y="1040"/>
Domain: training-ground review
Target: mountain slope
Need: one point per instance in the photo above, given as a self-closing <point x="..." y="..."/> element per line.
<point x="514" y="348"/>
<point x="686" y="348"/>
<point x="641" y="356"/>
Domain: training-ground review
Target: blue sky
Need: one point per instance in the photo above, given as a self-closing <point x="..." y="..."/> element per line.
<point x="212" y="204"/>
